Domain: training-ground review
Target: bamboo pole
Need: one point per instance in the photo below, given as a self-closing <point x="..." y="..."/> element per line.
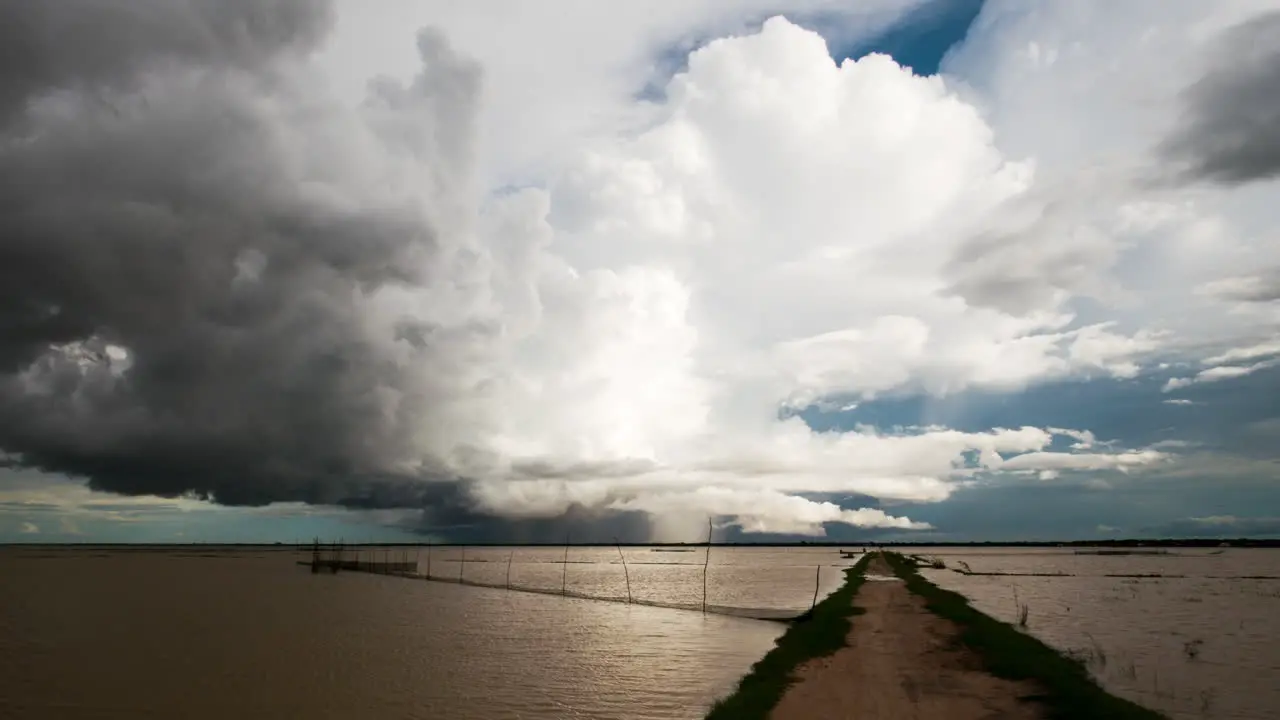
<point x="509" y="556"/>
<point x="706" y="560"/>
<point x="817" y="576"/>
<point x="626" y="573"/>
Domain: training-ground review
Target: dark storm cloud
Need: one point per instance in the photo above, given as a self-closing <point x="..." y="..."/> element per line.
<point x="460" y="523"/>
<point x="545" y="470"/>
<point x="187" y="283"/>
<point x="1231" y="131"/>
<point x="85" y="44"/>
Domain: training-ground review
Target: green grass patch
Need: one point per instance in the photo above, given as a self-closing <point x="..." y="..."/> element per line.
<point x="1069" y="692"/>
<point x="817" y="633"/>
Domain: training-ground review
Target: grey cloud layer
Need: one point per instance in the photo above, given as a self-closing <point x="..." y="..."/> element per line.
<point x="165" y="189"/>
<point x="106" y="44"/>
<point x="1231" y="132"/>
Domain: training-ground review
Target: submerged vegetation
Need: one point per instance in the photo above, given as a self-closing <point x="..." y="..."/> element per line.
<point x="1024" y="609"/>
<point x="819" y="632"/>
<point x="1005" y="651"/>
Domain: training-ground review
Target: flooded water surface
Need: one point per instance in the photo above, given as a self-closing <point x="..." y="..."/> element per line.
<point x="747" y="582"/>
<point x="112" y="633"/>
<point x="1191" y="633"/>
<point x="215" y="633"/>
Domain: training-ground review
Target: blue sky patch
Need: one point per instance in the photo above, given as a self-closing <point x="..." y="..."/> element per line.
<point x="921" y="38"/>
<point x="1135" y="413"/>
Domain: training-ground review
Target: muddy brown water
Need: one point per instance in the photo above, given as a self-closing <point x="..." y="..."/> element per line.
<point x="207" y="633"/>
<point x="1201" y="641"/>
<point x="110" y="633"/>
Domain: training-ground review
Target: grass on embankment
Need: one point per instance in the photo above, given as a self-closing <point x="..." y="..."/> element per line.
<point x="817" y="633"/>
<point x="1069" y="691"/>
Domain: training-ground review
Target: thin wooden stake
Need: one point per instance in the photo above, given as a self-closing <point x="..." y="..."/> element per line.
<point x="462" y="566"/>
<point x="817" y="576"/>
<point x="706" y="560"/>
<point x="626" y="573"/>
<point x="428" y="561"/>
<point x="564" y="574"/>
<point x="509" y="556"/>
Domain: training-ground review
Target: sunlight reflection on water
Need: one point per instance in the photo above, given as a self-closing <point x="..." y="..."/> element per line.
<point x="208" y="634"/>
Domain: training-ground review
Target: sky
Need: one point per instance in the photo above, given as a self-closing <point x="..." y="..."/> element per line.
<point x="506" y="271"/>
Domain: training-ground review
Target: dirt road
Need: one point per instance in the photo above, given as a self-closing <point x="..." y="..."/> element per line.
<point x="901" y="665"/>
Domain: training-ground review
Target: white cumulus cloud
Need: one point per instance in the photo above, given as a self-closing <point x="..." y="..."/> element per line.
<point x="622" y="299"/>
